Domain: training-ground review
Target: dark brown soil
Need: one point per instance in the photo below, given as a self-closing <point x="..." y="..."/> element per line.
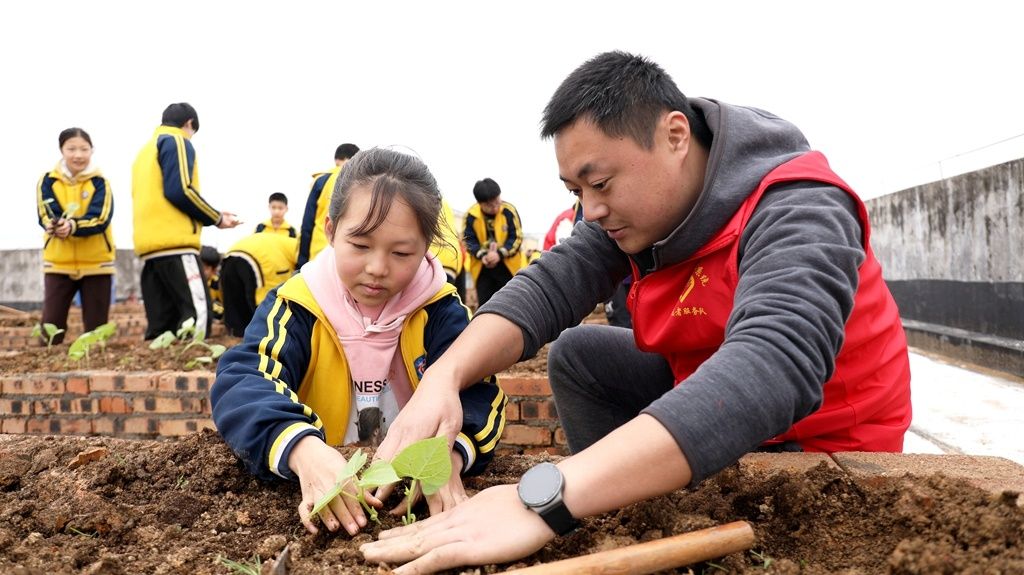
<point x="181" y="506"/>
<point x="119" y="356"/>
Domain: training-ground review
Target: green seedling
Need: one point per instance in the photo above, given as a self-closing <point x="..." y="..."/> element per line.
<point x="251" y="567"/>
<point x="79" y="349"/>
<point x="765" y="560"/>
<point x="51" y="330"/>
<point x="426" y="463"/>
<point x="79" y="532"/>
<point x="188" y="331"/>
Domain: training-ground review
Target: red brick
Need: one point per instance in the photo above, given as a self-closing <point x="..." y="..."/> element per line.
<point x="104" y="426"/>
<point x="165" y="404"/>
<point x="13" y="425"/>
<point x="114" y="404"/>
<point x="526" y="435"/>
<point x="49" y="425"/>
<point x="515" y="386"/>
<point x="64" y="405"/>
<point x="16" y="407"/>
<point x="186" y="381"/>
<point x="78" y="385"/>
<point x="76" y="426"/>
<point x="33" y="385"/>
<point x="10" y="385"/>
<point x="102" y="381"/>
<point x="132" y="382"/>
<point x="534" y="410"/>
<point x="511" y="411"/>
<point x="177" y="427"/>
<point x="560" y="438"/>
<point x="141" y="425"/>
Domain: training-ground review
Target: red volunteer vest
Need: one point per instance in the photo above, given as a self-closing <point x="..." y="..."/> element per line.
<point x="681" y="311"/>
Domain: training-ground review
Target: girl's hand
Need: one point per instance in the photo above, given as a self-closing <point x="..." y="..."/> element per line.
<point x="450" y="495"/>
<point x="63" y="229"/>
<point x="318" y="466"/>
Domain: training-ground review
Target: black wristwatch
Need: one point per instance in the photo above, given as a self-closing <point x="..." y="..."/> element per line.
<point x="540" y="489"/>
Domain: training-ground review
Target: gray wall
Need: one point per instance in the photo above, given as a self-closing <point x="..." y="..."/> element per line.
<point x="952" y="253"/>
<point x="21" y="277"/>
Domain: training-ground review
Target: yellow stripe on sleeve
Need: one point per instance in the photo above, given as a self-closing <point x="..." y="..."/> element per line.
<point x="496" y="418"/>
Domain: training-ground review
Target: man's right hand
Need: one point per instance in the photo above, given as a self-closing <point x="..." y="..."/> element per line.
<point x="228" y="220"/>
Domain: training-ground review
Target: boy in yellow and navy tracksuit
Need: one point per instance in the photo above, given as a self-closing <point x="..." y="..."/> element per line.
<point x="289" y="378"/>
<point x="251" y="268"/>
<point x="278" y="205"/>
<point x="493" y="235"/>
<point x="312" y="238"/>
<point x="448" y="246"/>
<point x="168" y="217"/>
<point x="84" y="260"/>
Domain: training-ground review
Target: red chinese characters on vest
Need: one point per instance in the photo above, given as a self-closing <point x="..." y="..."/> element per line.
<point x="866" y="404"/>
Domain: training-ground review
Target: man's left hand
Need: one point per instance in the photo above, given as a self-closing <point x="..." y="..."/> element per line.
<point x="491" y="527"/>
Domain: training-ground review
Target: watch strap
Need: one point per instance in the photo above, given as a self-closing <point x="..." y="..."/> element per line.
<point x="559" y="519"/>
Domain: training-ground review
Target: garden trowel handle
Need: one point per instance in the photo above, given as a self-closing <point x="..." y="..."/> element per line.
<point x="652" y="556"/>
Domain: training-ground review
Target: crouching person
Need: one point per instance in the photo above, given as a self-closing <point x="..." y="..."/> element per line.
<point x="252" y="267"/>
<point x="353" y="332"/>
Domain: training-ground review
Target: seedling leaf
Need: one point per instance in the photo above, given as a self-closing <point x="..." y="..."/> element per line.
<point x="379" y="473"/>
<point x="427" y="461"/>
<point x="106" y="331"/>
<point x="37" y="331"/>
<point x="217" y="350"/>
<point x="188" y="327"/>
<point x="355" y="463"/>
<point x="162" y="341"/>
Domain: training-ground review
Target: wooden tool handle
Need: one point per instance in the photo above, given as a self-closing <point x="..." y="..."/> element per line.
<point x="656" y="555"/>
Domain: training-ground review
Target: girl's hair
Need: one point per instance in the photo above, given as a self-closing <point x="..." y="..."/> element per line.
<point x="74" y="133"/>
<point x="389" y="174"/>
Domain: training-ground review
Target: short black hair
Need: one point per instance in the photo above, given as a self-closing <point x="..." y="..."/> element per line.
<point x="486" y="190"/>
<point x="624" y="95"/>
<point x="346" y="151"/>
<point x="278" y="197"/>
<point x="209" y="256"/>
<point x="177" y="115"/>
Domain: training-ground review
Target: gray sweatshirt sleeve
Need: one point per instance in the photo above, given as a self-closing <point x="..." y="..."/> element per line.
<point x="798" y="263"/>
<point x="561" y="288"/>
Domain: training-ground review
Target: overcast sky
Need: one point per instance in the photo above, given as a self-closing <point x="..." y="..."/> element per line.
<point x="894" y="93"/>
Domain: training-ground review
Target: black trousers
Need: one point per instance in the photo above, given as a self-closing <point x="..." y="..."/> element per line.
<point x="490" y="281"/>
<point x="60" y="289"/>
<point x="238" y="292"/>
<point x="173" y="290"/>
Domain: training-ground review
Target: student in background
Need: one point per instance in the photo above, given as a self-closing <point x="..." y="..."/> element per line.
<point x="493" y="235"/>
<point x="74" y="205"/>
<point x="211" y="258"/>
<point x="251" y="268"/>
<point x="312" y="238"/>
<point x="278" y="205"/>
<point x="288" y="393"/>
<point x="168" y="216"/>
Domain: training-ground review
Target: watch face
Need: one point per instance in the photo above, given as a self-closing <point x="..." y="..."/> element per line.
<point x="540" y="484"/>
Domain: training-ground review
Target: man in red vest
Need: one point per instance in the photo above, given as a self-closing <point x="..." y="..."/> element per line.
<point x="760" y="318"/>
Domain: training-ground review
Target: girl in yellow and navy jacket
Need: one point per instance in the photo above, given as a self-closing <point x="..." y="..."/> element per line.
<point x="74" y="205"/>
<point x="334" y="353"/>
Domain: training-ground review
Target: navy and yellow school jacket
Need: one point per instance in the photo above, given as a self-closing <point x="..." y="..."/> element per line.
<point x="89" y="250"/>
<point x="312" y="237"/>
<point x="508" y="233"/>
<point x="272" y="257"/>
<point x="168" y="212"/>
<point x="289" y="379"/>
<point x="286" y="229"/>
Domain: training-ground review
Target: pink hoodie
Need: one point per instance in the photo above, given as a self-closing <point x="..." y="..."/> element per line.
<point x="379" y="377"/>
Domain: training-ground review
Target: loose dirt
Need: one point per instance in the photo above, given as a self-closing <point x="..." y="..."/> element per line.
<point x="113" y="506"/>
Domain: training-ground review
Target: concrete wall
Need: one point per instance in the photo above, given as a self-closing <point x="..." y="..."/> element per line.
<point x="952" y="253"/>
<point x="21" y="277"/>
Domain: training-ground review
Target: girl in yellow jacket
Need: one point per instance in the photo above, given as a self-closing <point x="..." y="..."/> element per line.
<point x="336" y="352"/>
<point x="74" y="205"/>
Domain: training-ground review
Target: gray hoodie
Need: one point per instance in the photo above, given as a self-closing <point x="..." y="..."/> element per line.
<point x="798" y="263"/>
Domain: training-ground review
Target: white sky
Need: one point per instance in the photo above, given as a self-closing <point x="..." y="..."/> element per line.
<point x="887" y="90"/>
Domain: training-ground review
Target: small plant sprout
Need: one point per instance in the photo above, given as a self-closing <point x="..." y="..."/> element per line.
<point x="426" y="463"/>
<point x="51" y="330"/>
<point x="251" y="567"/>
<point x="188" y="331"/>
<point x="765" y="560"/>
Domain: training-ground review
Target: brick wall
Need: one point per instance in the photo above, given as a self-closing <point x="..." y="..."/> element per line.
<point x="169" y="404"/>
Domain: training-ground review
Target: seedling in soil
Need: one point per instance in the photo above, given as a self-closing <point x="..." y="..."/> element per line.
<point x="426" y="463"/>
<point x="79" y="349"/>
<point x="765" y="560"/>
<point x="51" y="330"/>
<point x="186" y="331"/>
<point x="251" y="567"/>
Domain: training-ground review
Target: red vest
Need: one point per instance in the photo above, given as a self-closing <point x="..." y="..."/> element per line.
<point x="681" y="311"/>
